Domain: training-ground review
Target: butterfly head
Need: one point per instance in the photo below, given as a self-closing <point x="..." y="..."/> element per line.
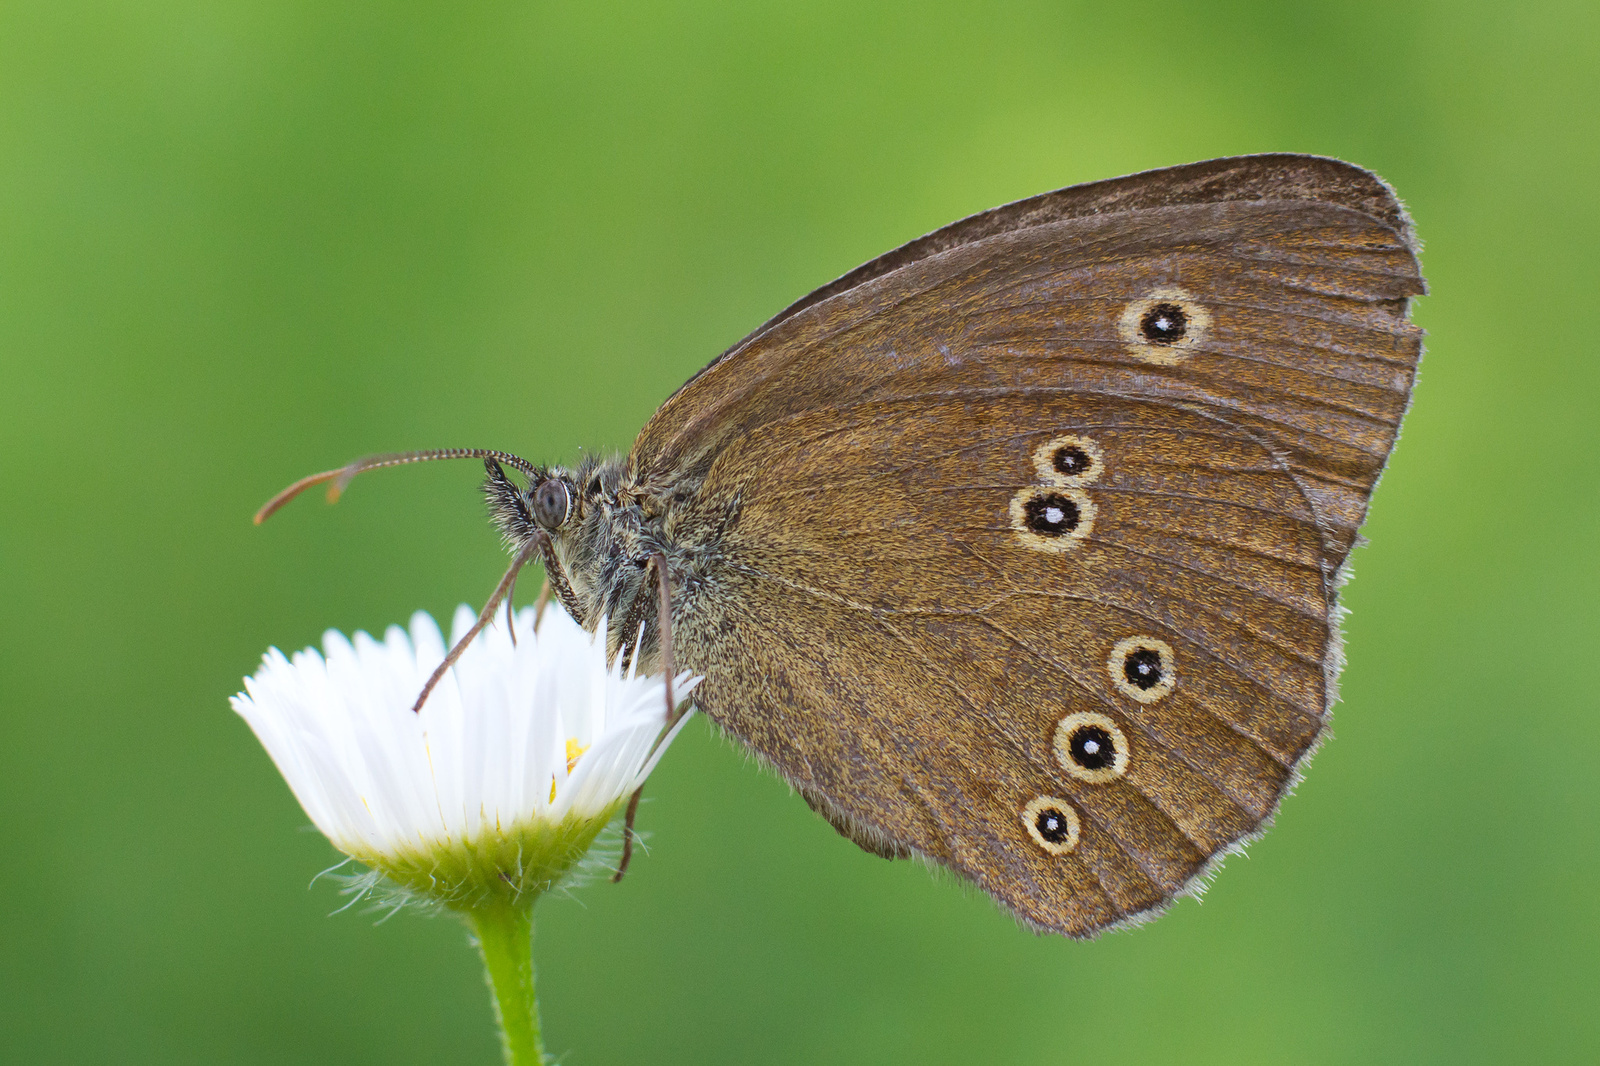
<point x="521" y="514"/>
<point x="556" y="501"/>
<point x="577" y="512"/>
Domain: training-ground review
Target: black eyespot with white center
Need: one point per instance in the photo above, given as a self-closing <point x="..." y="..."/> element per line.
<point x="1091" y="748"/>
<point x="1142" y="668"/>
<point x="1047" y="518"/>
<point x="1071" y="461"/>
<point x="1052" y="823"/>
<point x="1166" y="323"/>
<point x="1053" y="514"/>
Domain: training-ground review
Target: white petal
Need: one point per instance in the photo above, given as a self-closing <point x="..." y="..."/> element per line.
<point x="480" y="760"/>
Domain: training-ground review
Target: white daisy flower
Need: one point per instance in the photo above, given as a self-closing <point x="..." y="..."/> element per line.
<point x="498" y="786"/>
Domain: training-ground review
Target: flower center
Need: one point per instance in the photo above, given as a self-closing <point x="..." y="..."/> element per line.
<point x="574" y="752"/>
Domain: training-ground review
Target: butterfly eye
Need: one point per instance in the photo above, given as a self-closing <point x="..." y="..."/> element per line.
<point x="1052" y="823"/>
<point x="1051" y="519"/>
<point x="552" y="503"/>
<point x="1142" y="668"/>
<point x="1071" y="461"/>
<point x="1091" y="748"/>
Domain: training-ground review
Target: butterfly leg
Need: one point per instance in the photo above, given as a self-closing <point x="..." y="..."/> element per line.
<point x="627" y="834"/>
<point x="502" y="592"/>
<point x="539" y="604"/>
<point x="557" y="577"/>
<point x="664" y="626"/>
<point x="511" y="618"/>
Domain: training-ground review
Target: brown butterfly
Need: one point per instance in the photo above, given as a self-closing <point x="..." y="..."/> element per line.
<point x="1017" y="548"/>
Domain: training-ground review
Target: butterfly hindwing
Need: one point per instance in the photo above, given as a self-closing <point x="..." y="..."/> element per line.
<point x="944" y="647"/>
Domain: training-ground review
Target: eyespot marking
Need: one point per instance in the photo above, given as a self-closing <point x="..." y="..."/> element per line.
<point x="1164" y="326"/>
<point x="1052" y="519"/>
<point x="1142" y="668"/>
<point x="1071" y="461"/>
<point x="1165" y="323"/>
<point x="1052" y="823"/>
<point x="1091" y="748"/>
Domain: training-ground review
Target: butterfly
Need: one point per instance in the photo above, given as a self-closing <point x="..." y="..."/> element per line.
<point x="1018" y="547"/>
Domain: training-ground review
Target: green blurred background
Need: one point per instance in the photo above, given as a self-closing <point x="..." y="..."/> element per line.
<point x="243" y="241"/>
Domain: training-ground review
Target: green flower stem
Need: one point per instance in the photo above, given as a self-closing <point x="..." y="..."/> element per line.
<point x="505" y="936"/>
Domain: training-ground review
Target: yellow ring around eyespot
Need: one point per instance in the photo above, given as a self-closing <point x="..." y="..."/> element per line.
<point x="1163" y="354"/>
<point x="1059" y="542"/>
<point x="1030" y="819"/>
<point x="1116" y="663"/>
<point x="1062" y="745"/>
<point x="1044" y="461"/>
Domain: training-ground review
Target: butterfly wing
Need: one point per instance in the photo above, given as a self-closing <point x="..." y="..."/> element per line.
<point x="1021" y="554"/>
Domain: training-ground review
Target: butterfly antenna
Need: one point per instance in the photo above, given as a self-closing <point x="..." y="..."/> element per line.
<point x="664" y="624"/>
<point x="342" y="477"/>
<point x="502" y="591"/>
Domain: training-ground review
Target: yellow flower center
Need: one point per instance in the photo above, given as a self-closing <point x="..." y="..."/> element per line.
<point x="574" y="752"/>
